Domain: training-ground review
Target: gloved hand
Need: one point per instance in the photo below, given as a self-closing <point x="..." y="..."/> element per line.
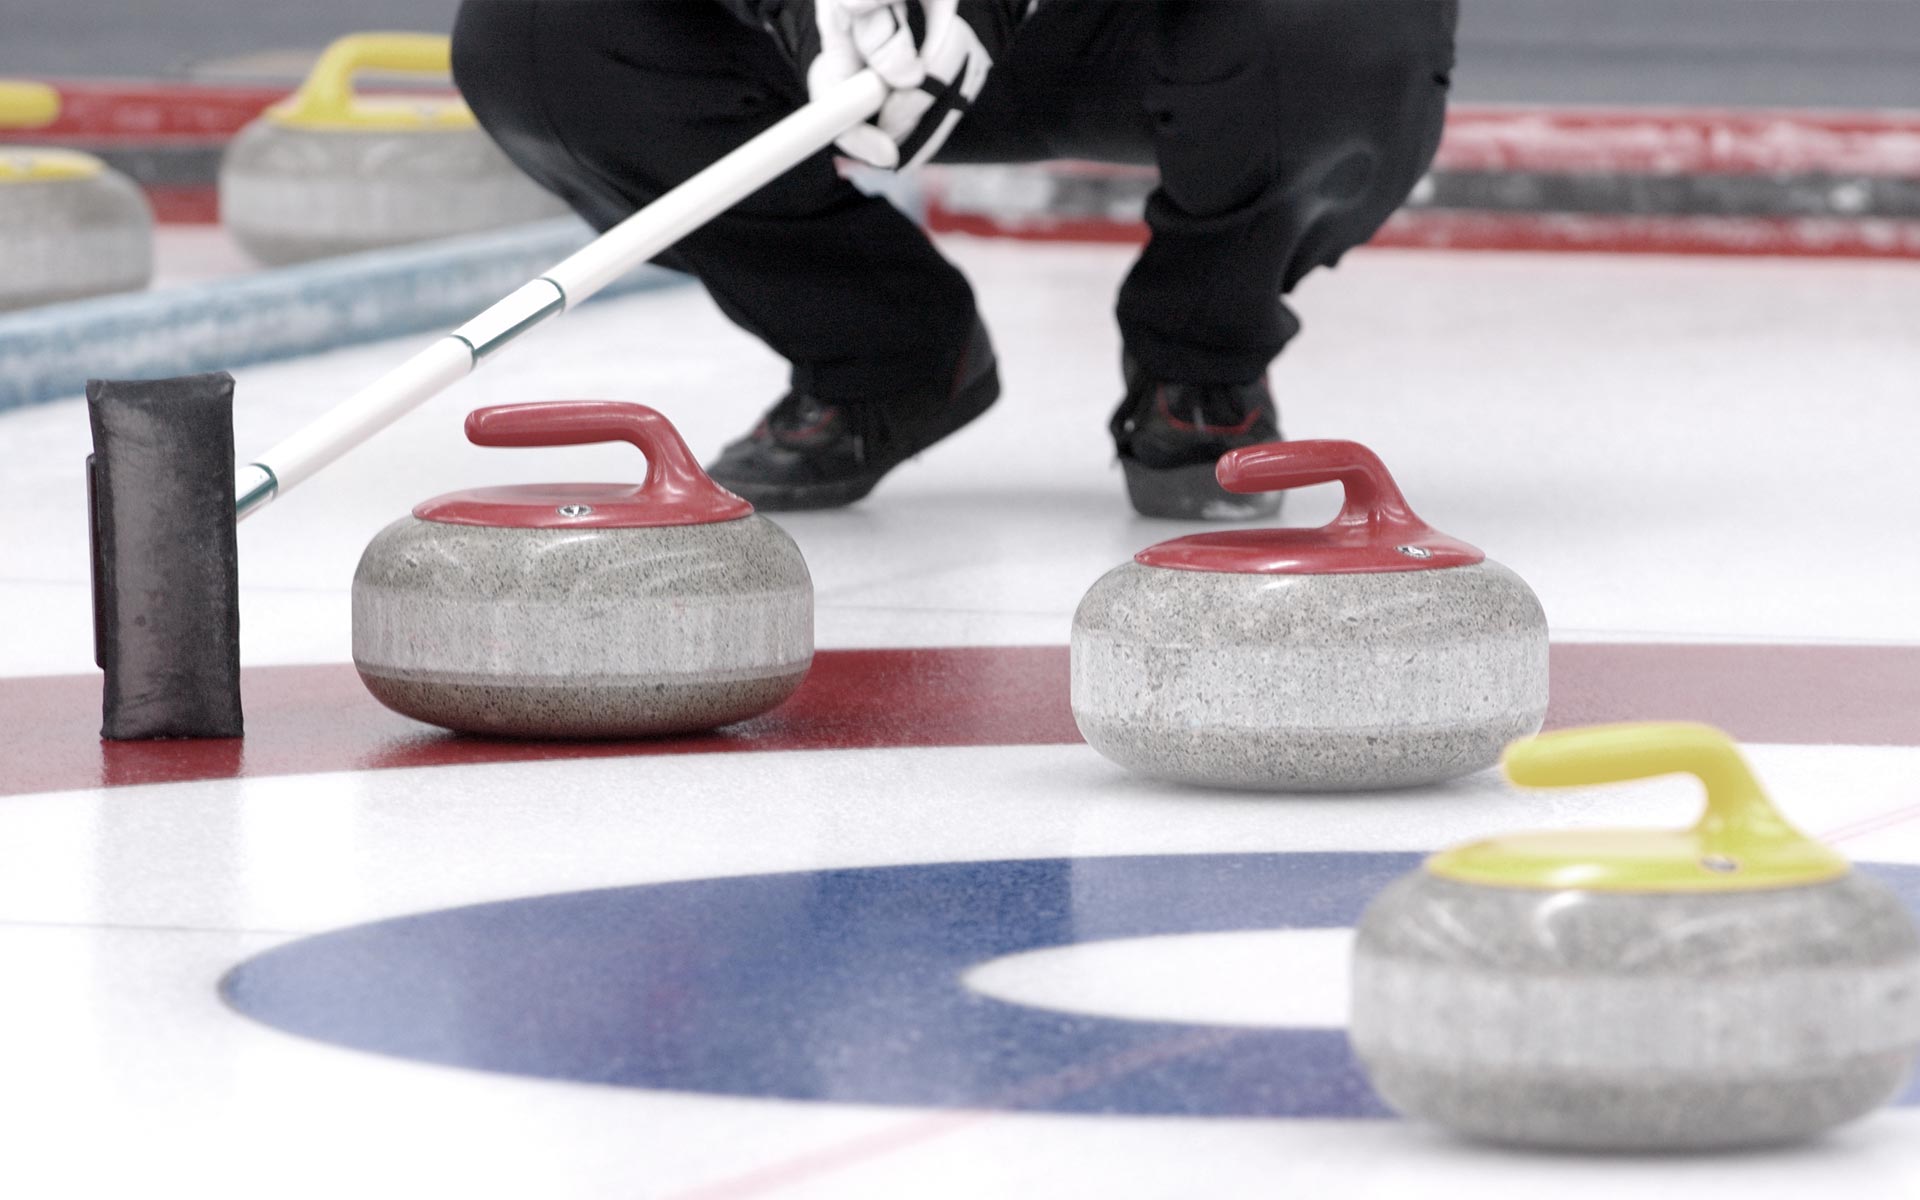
<point x="934" y="77"/>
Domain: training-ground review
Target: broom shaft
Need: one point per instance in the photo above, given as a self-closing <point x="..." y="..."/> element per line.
<point x="640" y="237"/>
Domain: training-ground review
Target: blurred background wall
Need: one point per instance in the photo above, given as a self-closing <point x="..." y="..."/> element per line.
<point x="1829" y="53"/>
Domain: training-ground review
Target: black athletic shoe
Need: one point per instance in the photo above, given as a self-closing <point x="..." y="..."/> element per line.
<point x="1170" y="435"/>
<point x="807" y="453"/>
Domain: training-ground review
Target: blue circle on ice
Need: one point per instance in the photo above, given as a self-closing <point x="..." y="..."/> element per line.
<point x="843" y="985"/>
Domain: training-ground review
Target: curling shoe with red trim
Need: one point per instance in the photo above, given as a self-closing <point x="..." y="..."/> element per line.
<point x="1170" y="435"/>
<point x="809" y="453"/>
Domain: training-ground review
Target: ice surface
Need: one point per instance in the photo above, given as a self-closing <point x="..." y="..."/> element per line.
<point x="1685" y="447"/>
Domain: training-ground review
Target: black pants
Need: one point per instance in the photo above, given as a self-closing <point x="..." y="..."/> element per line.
<point x="1285" y="132"/>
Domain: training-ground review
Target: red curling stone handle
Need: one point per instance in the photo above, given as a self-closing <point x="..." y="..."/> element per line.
<point x="1375" y="530"/>
<point x="674" y="478"/>
<point x="1373" y="500"/>
<point x="1277" y="466"/>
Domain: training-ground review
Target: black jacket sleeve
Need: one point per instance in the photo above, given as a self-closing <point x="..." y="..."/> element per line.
<point x="749" y="11"/>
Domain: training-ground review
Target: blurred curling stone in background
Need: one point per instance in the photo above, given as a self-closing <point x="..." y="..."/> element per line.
<point x="70" y="226"/>
<point x="1731" y="984"/>
<point x="330" y="171"/>
<point x="1371" y="652"/>
<point x="577" y="610"/>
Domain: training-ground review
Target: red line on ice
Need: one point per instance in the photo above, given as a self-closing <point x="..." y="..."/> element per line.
<point x="1478" y="137"/>
<point x="309" y="719"/>
<point x="898" y="1135"/>
<point x="1546" y="232"/>
<point x="319" y="718"/>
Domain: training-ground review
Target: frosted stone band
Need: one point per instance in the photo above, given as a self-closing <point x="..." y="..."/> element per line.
<point x="1461" y="1019"/>
<point x="65" y="239"/>
<point x="47" y="266"/>
<point x="763" y="633"/>
<point x="1308" y="682"/>
<point x="288" y="194"/>
<point x="1309" y="686"/>
<point x="369" y="212"/>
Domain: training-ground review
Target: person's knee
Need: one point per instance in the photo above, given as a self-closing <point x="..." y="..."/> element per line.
<point x="489" y="41"/>
<point x="1212" y="111"/>
<point x="1326" y="104"/>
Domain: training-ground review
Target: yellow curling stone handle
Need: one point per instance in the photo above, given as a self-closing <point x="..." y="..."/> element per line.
<point x="35" y="106"/>
<point x="36" y="164"/>
<point x="327" y="101"/>
<point x="27" y="105"/>
<point x="1740" y="843"/>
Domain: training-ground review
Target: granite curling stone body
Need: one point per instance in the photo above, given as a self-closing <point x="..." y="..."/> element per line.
<point x="1727" y="985"/>
<point x="583" y="610"/>
<point x="1372" y="652"/>
<point x="70" y="226"/>
<point x="333" y="172"/>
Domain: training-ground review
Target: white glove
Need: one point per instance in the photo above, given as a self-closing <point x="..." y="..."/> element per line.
<point x="932" y="83"/>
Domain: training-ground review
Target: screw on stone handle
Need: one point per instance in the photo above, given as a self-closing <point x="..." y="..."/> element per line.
<point x="327" y="94"/>
<point x="1738" y="815"/>
<point x="26" y="105"/>
<point x="673" y="474"/>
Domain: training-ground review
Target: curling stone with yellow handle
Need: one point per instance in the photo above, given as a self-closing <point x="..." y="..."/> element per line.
<point x="70" y="226"/>
<point x="1731" y="984"/>
<point x="330" y="171"/>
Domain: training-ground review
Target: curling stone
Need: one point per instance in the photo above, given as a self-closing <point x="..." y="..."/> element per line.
<point x="332" y="172"/>
<point x="583" y="610"/>
<point x="70" y="226"/>
<point x="1371" y="652"/>
<point x="1732" y="984"/>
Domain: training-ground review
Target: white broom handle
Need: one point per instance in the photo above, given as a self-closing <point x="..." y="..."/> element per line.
<point x="635" y="240"/>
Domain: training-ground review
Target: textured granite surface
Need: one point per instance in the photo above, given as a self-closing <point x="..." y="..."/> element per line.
<point x="577" y="633"/>
<point x="1622" y="1021"/>
<point x="582" y="709"/>
<point x="1308" y="682"/>
<point x="289" y="195"/>
<point x="65" y="239"/>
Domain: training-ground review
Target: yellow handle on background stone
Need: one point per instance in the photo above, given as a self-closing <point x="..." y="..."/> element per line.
<point x="327" y="99"/>
<point x="26" y="105"/>
<point x="1741" y="842"/>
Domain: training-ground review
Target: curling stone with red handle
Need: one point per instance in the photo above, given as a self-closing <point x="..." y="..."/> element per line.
<point x="1371" y="652"/>
<point x="588" y="609"/>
